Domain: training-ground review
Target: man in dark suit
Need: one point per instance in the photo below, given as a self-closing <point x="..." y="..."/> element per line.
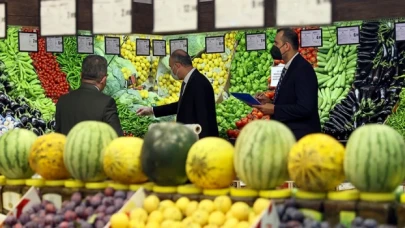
<point x="296" y="98"/>
<point x="196" y="104"/>
<point x="88" y="102"/>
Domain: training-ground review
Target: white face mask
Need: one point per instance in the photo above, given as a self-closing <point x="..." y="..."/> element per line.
<point x="174" y="75"/>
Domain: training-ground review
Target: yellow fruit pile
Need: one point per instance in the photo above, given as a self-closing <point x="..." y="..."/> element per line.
<point x="144" y="94"/>
<point x="170" y="87"/>
<point x="154" y="66"/>
<point x="183" y="213"/>
<point x="230" y="40"/>
<point x="126" y="72"/>
<point x="141" y="63"/>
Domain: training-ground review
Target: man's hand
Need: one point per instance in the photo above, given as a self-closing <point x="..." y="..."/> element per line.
<point x="262" y="98"/>
<point x="266" y="109"/>
<point x="144" y="111"/>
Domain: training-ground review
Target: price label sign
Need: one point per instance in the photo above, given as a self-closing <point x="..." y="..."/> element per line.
<point x="175" y="15"/>
<point x="143" y="47"/>
<point x="275" y="75"/>
<point x="28" y="42"/>
<point x="255" y="42"/>
<point x="3" y="20"/>
<point x="54" y="44"/>
<point x="311" y="38"/>
<point x="239" y="13"/>
<point x="303" y="12"/>
<point x="112" y="16"/>
<point x="400" y="31"/>
<point x="85" y="44"/>
<point x="58" y="17"/>
<point x="159" y="48"/>
<point x="215" y="44"/>
<point x="348" y="35"/>
<point x="112" y="45"/>
<point x="178" y="44"/>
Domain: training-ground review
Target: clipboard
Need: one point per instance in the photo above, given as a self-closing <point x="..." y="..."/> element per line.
<point x="246" y="98"/>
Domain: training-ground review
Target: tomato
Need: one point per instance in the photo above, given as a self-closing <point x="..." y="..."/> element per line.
<point x="313" y="59"/>
<point x="259" y="115"/>
<point x="239" y="124"/>
<point x="236" y="133"/>
<point x="244" y="121"/>
<point x="230" y="133"/>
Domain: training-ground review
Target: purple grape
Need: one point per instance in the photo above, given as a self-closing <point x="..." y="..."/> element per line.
<point x="110" y="210"/>
<point x="24" y="218"/>
<point x="290" y="203"/>
<point x="120" y="194"/>
<point x="107" y="218"/>
<point x="70" y="216"/>
<point x="80" y="211"/>
<point x="36" y="207"/>
<point x="118" y="203"/>
<point x="70" y="206"/>
<point x="297" y="216"/>
<point x="10" y="220"/>
<point x="129" y="194"/>
<point x="282" y="225"/>
<point x="88" y="211"/>
<point x="108" y="201"/>
<point x="99" y="224"/>
<point x="29" y="211"/>
<point x="64" y="225"/>
<point x="18" y="225"/>
<point x="280" y="209"/>
<point x="84" y="224"/>
<point x="58" y="219"/>
<point x="109" y="191"/>
<point x="358" y="221"/>
<point x="101" y="208"/>
<point x="50" y="208"/>
<point x="95" y="201"/>
<point x="76" y="197"/>
<point x="31" y="224"/>
<point x="293" y="224"/>
<point x="41" y="213"/>
<point x="370" y="223"/>
<point x="48" y="226"/>
<point x="49" y="219"/>
<point x="99" y="194"/>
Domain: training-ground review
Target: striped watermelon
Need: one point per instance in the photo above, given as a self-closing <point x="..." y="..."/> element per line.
<point x="83" y="156"/>
<point x="375" y="158"/>
<point x="261" y="154"/>
<point x="15" y="148"/>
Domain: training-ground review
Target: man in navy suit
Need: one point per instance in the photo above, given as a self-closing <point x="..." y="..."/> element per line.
<point x="296" y="98"/>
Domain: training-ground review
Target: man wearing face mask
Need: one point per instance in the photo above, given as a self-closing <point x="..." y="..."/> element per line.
<point x="88" y="102"/>
<point x="196" y="104"/>
<point x="295" y="101"/>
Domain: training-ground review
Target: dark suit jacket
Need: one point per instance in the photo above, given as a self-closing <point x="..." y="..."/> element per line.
<point x="196" y="106"/>
<point x="297" y="101"/>
<point x="86" y="103"/>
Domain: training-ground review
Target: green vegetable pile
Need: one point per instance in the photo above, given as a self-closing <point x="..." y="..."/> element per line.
<point x="230" y="111"/>
<point x="250" y="70"/>
<point x="71" y="62"/>
<point x="397" y="119"/>
<point x="335" y="71"/>
<point x="21" y="75"/>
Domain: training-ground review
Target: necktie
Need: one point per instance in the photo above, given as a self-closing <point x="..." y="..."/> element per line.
<point x="279" y="82"/>
<point x="183" y="84"/>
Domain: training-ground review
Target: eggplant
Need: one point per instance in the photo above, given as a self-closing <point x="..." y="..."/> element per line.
<point x="369" y="42"/>
<point x="33" y="121"/>
<point x="4" y="99"/>
<point x="343" y="112"/>
<point x="365" y="56"/>
<point x="7" y="86"/>
<point x="18" y="125"/>
<point x="41" y="124"/>
<point x="36" y="131"/>
<point x="24" y="120"/>
<point x="19" y="111"/>
<point x="51" y="124"/>
<point x="26" y="107"/>
<point x="365" y="48"/>
<point x="14" y="105"/>
<point x="36" y="113"/>
<point x="376" y="49"/>
<point x="8" y="112"/>
<point x="365" y="33"/>
<point x="2" y="107"/>
<point x="394" y="54"/>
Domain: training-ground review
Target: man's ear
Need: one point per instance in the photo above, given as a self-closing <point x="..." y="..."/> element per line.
<point x="103" y="80"/>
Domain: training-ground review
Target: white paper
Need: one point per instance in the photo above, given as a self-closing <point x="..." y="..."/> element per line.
<point x="144" y="1"/>
<point x="159" y="48"/>
<point x="175" y="15"/>
<point x="142" y="47"/>
<point x="28" y="42"/>
<point x="239" y="13"/>
<point x="303" y="12"/>
<point x="255" y="42"/>
<point x="112" y="16"/>
<point x="348" y="35"/>
<point x="400" y="31"/>
<point x="85" y="44"/>
<point x="58" y="17"/>
<point x="311" y="38"/>
<point x="178" y="44"/>
<point x="3" y="26"/>
<point x="275" y="75"/>
<point x="54" y="44"/>
<point x="215" y="44"/>
<point x="112" y="45"/>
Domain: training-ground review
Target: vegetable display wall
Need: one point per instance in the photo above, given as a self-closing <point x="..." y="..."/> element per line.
<point x="358" y="84"/>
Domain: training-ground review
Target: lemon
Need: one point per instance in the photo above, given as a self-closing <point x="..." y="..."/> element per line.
<point x="167" y="224"/>
<point x="191" y="208"/>
<point x="200" y="217"/>
<point x="155" y="216"/>
<point x="260" y="204"/>
<point x="138" y="214"/>
<point x="206" y="205"/>
<point x="178" y="224"/>
<point x="211" y="226"/>
<point x="151" y="203"/>
<point x="217" y="218"/>
<point x="243" y="224"/>
<point x="119" y="220"/>
<point x="229" y="215"/>
<point x="194" y="225"/>
<point x="252" y="217"/>
<point x="136" y="224"/>
<point x="152" y="225"/>
<point x="240" y="210"/>
<point x="223" y="203"/>
<point x="172" y="213"/>
<point x="182" y="203"/>
<point x="187" y="221"/>
<point x="231" y="222"/>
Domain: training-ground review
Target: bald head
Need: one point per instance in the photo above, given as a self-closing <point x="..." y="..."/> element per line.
<point x="180" y="56"/>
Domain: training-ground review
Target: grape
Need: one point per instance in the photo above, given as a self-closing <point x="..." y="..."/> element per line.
<point x="99" y="194"/>
<point x="99" y="224"/>
<point x="280" y="209"/>
<point x="50" y="208"/>
<point x="120" y="194"/>
<point x="108" y="201"/>
<point x="297" y="215"/>
<point x="358" y="221"/>
<point x="118" y="203"/>
<point x="101" y="208"/>
<point x="76" y="197"/>
<point x="95" y="201"/>
<point x="18" y="225"/>
<point x="107" y="218"/>
<point x="64" y="225"/>
<point x="313" y="224"/>
<point x="282" y="225"/>
<point x="110" y="210"/>
<point x="41" y="213"/>
<point x="44" y="203"/>
<point x="10" y="220"/>
<point x="70" y="216"/>
<point x="109" y="191"/>
<point x="31" y="224"/>
<point x="49" y="219"/>
<point x="80" y="211"/>
<point x="88" y="211"/>
<point x="36" y="207"/>
<point x="70" y="206"/>
<point x="129" y="194"/>
<point x="58" y="219"/>
<point x="370" y="223"/>
<point x="48" y="226"/>
<point x="84" y="224"/>
<point x="290" y="203"/>
<point x="293" y="224"/>
<point x="24" y="218"/>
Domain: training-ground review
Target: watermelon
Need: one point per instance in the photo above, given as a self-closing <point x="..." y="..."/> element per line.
<point x="122" y="161"/>
<point x="261" y="154"/>
<point x="84" y="147"/>
<point x="15" y="148"/>
<point x="315" y="163"/>
<point x="164" y="153"/>
<point x="46" y="157"/>
<point x="375" y="159"/>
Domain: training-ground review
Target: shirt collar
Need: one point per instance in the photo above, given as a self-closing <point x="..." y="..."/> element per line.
<point x="97" y="88"/>
<point x="289" y="62"/>
<point x="188" y="75"/>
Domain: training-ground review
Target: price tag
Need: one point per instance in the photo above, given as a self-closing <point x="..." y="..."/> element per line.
<point x="178" y="44"/>
<point x="400" y="31"/>
<point x="215" y="44"/>
<point x="3" y="20"/>
<point x="239" y="13"/>
<point x="175" y="15"/>
<point x="311" y="38"/>
<point x="255" y="42"/>
<point x="112" y="45"/>
<point x="112" y="16"/>
<point x="275" y="75"/>
<point x="58" y="17"/>
<point x="159" y="48"/>
<point x="348" y="35"/>
<point x="85" y="45"/>
<point x="143" y="47"/>
<point x="303" y="12"/>
<point x="54" y="44"/>
<point x="27" y="41"/>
